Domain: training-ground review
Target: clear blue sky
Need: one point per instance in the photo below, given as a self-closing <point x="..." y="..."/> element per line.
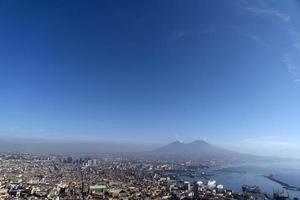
<point x="151" y="71"/>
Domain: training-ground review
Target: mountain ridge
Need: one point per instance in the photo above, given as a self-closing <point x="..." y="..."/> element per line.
<point x="198" y="149"/>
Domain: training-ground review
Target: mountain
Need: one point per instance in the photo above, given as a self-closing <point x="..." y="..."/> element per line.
<point x="199" y="149"/>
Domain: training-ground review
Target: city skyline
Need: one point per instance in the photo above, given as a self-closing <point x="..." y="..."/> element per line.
<point x="152" y="72"/>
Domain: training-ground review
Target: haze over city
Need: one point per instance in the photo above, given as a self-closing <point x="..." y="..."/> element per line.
<point x="142" y="74"/>
<point x="149" y="100"/>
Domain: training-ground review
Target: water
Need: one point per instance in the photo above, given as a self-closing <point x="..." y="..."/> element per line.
<point x="233" y="177"/>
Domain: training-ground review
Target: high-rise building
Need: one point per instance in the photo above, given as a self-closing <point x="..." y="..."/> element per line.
<point x="92" y="162"/>
<point x="195" y="190"/>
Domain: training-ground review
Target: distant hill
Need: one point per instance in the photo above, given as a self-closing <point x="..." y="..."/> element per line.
<point x="201" y="150"/>
<point x="197" y="150"/>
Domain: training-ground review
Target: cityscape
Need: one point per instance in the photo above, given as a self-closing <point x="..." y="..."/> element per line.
<point x="149" y="100"/>
<point x="123" y="176"/>
<point x="25" y="176"/>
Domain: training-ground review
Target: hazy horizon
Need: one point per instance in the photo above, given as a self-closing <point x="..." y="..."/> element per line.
<point x="142" y="74"/>
<point x="87" y="146"/>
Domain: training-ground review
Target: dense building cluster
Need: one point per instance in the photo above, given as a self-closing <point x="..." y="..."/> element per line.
<point x="26" y="176"/>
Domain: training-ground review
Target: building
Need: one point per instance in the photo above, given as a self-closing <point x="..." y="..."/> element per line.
<point x="97" y="189"/>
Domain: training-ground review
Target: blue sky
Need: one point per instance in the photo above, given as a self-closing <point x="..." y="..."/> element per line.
<point x="152" y="71"/>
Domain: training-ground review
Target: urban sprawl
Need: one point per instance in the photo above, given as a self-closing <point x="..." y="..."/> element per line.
<point x="58" y="177"/>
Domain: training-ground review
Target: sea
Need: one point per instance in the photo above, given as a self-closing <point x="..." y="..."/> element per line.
<point x="235" y="176"/>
